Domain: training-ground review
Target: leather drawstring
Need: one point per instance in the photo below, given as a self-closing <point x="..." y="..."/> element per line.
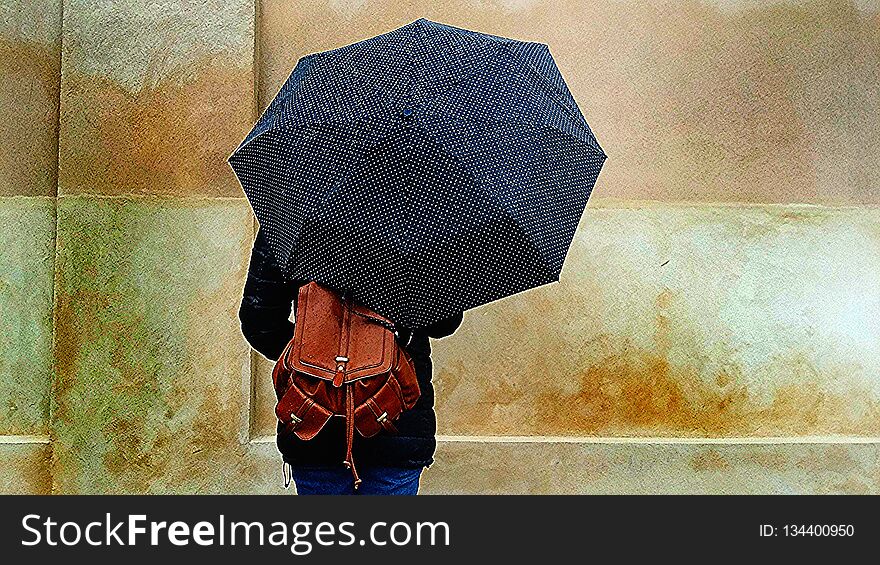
<point x="338" y="381"/>
<point x="349" y="433"/>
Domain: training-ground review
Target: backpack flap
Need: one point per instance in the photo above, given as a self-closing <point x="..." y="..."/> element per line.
<point x="370" y="346"/>
<point x="380" y="410"/>
<point x="300" y="412"/>
<point x="321" y="318"/>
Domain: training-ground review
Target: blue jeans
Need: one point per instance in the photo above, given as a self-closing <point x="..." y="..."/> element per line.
<point x="338" y="480"/>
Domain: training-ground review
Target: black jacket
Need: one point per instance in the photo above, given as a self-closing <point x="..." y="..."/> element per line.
<point x="269" y="298"/>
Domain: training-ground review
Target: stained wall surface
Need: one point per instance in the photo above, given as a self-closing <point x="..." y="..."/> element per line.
<point x="715" y="329"/>
<point x="30" y="42"/>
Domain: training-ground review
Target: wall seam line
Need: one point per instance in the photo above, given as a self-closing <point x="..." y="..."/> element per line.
<point x="523" y="440"/>
<point x="753" y="440"/>
<point x="50" y="428"/>
<point x="37" y="439"/>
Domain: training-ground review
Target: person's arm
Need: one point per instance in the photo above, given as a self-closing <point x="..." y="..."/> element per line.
<point x="444" y="327"/>
<point x="438" y="329"/>
<point x="267" y="302"/>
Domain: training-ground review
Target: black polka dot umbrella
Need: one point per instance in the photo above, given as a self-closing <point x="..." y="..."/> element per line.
<point x="426" y="171"/>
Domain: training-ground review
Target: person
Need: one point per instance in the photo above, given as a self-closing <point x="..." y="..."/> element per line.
<point x="388" y="464"/>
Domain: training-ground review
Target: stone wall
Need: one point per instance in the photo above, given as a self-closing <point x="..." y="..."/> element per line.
<point x="716" y="329"/>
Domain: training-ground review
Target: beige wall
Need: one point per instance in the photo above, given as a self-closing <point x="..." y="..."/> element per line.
<point x="695" y="100"/>
<point x="715" y="329"/>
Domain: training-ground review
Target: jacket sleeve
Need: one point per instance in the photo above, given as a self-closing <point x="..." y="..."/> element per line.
<point x="267" y="302"/>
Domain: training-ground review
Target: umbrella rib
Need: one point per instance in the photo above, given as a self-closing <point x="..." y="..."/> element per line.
<point x="543" y="79"/>
<point x="596" y="149"/>
<point x="404" y="244"/>
<point x="550" y="89"/>
<point x="492" y="196"/>
<point x="462" y="80"/>
<point x="271" y="114"/>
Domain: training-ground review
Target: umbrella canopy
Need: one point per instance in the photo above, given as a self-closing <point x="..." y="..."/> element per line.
<point x="426" y="171"/>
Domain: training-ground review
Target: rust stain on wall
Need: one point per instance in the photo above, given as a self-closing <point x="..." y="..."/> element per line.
<point x="24" y="469"/>
<point x="749" y="331"/>
<point x="644" y="393"/>
<point x="769" y="460"/>
<point x="68" y="344"/>
<point x="709" y="460"/>
<point x="149" y="354"/>
<point x="220" y="407"/>
<point x="632" y="391"/>
<point x="833" y="458"/>
<point x="171" y="138"/>
<point x="29" y="80"/>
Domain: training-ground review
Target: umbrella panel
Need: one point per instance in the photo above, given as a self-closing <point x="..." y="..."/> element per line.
<point x="411" y="234"/>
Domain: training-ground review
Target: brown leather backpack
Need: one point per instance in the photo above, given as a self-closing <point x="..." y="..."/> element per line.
<point x="343" y="361"/>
